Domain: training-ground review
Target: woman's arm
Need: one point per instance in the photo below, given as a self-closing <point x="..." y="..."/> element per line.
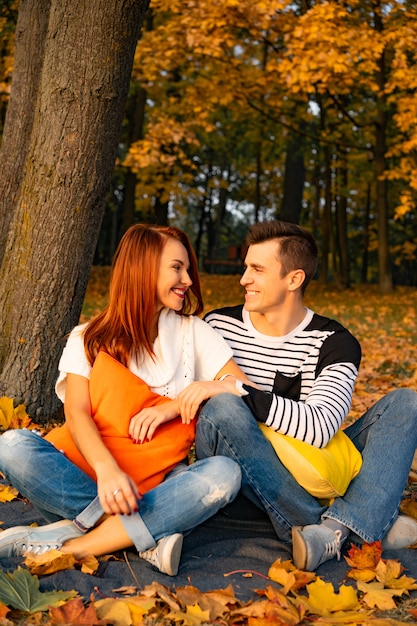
<point x="116" y="490"/>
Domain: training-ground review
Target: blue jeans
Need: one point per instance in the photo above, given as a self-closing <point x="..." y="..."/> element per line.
<point x="386" y="435"/>
<point x="189" y="495"/>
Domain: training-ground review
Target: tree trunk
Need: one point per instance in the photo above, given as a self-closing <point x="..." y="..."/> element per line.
<point x="31" y="29"/>
<point x="292" y="201"/>
<point x="56" y="210"/>
<point x="384" y="270"/>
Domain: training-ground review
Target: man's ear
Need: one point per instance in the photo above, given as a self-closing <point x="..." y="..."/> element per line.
<point x="296" y="279"/>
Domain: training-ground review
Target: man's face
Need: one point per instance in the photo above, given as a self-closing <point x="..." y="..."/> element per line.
<point x="265" y="288"/>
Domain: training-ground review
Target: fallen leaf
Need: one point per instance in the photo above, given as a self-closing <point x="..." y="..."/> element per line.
<point x="366" y="556"/>
<point x="20" y="590"/>
<point x="286" y="574"/>
<point x="409" y="507"/>
<point x="376" y="596"/>
<point x="8" y="493"/>
<point x="74" y="612"/>
<point x="89" y="564"/>
<point x="323" y="599"/>
<point x="49" y="562"/>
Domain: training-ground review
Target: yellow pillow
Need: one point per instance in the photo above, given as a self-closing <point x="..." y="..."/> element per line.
<point x="323" y="472"/>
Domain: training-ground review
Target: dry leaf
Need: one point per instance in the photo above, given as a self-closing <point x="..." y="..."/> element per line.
<point x="74" y="612"/>
<point x="365" y="557"/>
<point x="49" y="562"/>
<point x="7" y="493"/>
<point x="376" y="596"/>
<point x="323" y="599"/>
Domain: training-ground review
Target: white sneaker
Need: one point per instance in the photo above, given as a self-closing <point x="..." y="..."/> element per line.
<point x="402" y="534"/>
<point x="166" y="555"/>
<point x="19" y="540"/>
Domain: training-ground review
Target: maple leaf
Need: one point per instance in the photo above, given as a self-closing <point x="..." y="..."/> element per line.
<point x="74" y="613"/>
<point x="12" y="417"/>
<point x="323" y="600"/>
<point x="376" y="596"/>
<point x="20" y="590"/>
<point x="409" y="507"/>
<point x="287" y="575"/>
<point x="124" y="611"/>
<point x="365" y="557"/>
<point x="89" y="564"/>
<point x="217" y="602"/>
<point x="49" y="562"/>
<point x="8" y="493"/>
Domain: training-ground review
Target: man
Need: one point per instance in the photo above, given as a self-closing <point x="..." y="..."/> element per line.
<point x="304" y="367"/>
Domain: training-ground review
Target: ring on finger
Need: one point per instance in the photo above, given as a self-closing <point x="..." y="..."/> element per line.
<point x="115" y="492"/>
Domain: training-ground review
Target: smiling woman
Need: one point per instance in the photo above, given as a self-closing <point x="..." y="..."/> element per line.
<point x="125" y="438"/>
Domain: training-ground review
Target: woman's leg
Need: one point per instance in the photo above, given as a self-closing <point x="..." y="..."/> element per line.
<point x="41" y="473"/>
<point x="189" y="496"/>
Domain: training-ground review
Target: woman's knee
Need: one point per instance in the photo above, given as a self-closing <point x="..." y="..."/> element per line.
<point x="16" y="446"/>
<point x="225" y="475"/>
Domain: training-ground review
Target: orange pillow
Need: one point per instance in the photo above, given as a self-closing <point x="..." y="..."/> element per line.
<point x="116" y="395"/>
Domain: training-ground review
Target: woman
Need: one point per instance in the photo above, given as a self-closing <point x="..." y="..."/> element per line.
<point x="149" y="332"/>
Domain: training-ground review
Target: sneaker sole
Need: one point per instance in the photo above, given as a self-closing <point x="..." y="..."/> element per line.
<point x="299" y="548"/>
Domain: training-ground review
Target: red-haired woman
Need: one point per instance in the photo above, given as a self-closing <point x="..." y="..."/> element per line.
<point x="104" y="475"/>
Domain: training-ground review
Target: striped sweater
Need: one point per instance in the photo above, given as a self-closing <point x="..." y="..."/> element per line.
<point x="305" y="379"/>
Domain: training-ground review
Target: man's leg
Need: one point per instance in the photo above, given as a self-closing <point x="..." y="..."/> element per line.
<point x="386" y="435"/>
<point x="227" y="427"/>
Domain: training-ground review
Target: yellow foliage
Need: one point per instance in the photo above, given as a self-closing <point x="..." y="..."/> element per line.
<point x="11" y="416"/>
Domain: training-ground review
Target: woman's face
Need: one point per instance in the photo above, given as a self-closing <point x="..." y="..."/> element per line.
<point x="173" y="278"/>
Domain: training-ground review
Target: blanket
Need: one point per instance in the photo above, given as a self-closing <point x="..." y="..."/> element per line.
<point x="220" y="552"/>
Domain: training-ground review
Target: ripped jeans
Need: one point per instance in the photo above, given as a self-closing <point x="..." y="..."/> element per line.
<point x="188" y="496"/>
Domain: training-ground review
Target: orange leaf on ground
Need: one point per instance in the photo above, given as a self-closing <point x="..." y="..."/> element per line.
<point x="365" y="557"/>
<point x="74" y="612"/>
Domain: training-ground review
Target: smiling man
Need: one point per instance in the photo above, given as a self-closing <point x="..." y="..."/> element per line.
<point x="305" y="366"/>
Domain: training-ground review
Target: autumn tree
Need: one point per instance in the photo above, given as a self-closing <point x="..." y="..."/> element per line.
<point x="71" y="75"/>
<point x="318" y="86"/>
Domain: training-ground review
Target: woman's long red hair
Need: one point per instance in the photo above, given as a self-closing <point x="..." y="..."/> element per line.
<point x="125" y="326"/>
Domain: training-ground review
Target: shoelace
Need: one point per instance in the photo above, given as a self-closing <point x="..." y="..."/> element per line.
<point x="36" y="548"/>
<point x="151" y="555"/>
<point x="332" y="548"/>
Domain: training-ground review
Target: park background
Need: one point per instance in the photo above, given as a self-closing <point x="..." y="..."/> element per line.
<point x="209" y="116"/>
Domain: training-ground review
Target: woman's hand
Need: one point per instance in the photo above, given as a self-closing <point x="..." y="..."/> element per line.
<point x="117" y="492"/>
<point x="143" y="425"/>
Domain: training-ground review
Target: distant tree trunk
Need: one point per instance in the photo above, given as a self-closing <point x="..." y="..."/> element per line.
<point x="326" y="222"/>
<point x="365" y="255"/>
<point x="384" y="270"/>
<point x="342" y="229"/>
<point x="294" y="177"/>
<point x="76" y="104"/>
<point x="136" y="117"/>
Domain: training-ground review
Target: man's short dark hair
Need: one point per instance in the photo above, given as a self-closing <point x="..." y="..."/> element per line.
<point x="297" y="247"/>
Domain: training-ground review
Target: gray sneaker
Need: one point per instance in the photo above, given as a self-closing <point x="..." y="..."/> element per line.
<point x="166" y="555"/>
<point x="19" y="540"/>
<point x="402" y="534"/>
<point x="314" y="545"/>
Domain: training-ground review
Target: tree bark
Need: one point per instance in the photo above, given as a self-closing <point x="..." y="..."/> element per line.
<point x="76" y="105"/>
